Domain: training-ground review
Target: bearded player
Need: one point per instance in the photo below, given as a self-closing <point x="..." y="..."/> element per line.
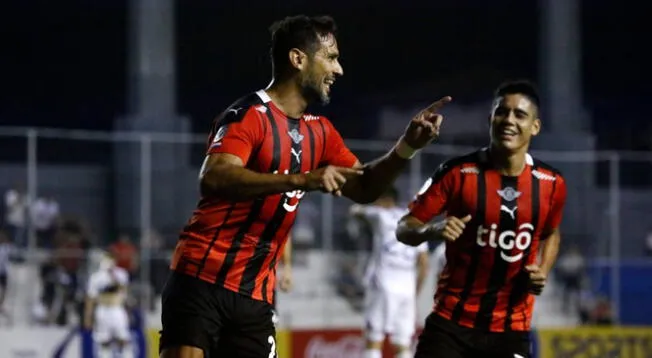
<point x="264" y="153"/>
<point x="502" y="207"/>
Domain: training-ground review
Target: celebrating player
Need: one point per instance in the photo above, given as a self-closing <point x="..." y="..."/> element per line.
<point x="264" y="153"/>
<point x="105" y="312"/>
<point x="501" y="206"/>
<point x="393" y="278"/>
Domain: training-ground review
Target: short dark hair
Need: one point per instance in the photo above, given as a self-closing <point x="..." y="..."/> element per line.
<point x="301" y="32"/>
<point x="523" y="87"/>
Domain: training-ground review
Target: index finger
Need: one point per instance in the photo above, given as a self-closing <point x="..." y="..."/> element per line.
<point x="434" y="107"/>
<point x="349" y="172"/>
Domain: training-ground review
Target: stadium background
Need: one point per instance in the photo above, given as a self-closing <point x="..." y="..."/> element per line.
<point x="105" y="107"/>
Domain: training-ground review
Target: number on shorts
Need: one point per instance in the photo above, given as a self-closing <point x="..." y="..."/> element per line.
<point x="272" y="351"/>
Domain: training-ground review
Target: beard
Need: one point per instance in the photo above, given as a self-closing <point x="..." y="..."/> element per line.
<point x="313" y="91"/>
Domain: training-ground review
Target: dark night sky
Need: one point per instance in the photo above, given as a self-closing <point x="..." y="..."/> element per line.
<point x="63" y="63"/>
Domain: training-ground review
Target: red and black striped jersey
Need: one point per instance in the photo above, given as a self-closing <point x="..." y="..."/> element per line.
<point x="236" y="244"/>
<point x="484" y="284"/>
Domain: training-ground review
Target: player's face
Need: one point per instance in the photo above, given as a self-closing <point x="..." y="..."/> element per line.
<point x="514" y="120"/>
<point x="322" y="70"/>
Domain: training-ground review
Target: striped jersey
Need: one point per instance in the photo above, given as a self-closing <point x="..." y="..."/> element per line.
<point x="483" y="284"/>
<point x="236" y="244"/>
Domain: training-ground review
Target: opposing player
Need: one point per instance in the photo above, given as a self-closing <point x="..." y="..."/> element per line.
<point x="105" y="312"/>
<point x="393" y="279"/>
<point x="502" y="206"/>
<point x="264" y="153"/>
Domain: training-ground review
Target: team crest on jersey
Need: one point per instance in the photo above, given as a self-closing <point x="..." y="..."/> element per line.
<point x="296" y="136"/>
<point x="509" y="194"/>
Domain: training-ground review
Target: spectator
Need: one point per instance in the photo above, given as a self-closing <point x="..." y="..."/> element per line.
<point x="5" y="254"/>
<point x="44" y="215"/>
<point x="16" y="203"/>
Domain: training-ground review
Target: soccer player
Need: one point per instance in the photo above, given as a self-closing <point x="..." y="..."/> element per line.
<point x="393" y="278"/>
<point x="105" y="312"/>
<point x="502" y="206"/>
<point x="264" y="153"/>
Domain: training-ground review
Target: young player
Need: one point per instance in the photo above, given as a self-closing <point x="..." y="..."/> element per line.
<point x="502" y="207"/>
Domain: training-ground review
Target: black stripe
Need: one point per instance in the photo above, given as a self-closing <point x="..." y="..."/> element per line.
<point x="311" y="141"/>
<point x="272" y="265"/>
<point x="263" y="247"/>
<point x="212" y="243"/>
<point x="254" y="212"/>
<point x="519" y="288"/>
<point x="500" y="266"/>
<point x="323" y="142"/>
<point x="477" y="220"/>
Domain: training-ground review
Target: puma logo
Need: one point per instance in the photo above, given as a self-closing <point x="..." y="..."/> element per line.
<point x="297" y="155"/>
<point x="511" y="213"/>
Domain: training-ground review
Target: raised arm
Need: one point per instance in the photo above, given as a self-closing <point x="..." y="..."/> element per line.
<point x="381" y="173"/>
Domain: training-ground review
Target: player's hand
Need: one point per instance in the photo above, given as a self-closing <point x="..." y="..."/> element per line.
<point x="286" y="280"/>
<point x="329" y="179"/>
<point x="424" y="127"/>
<point x="451" y="228"/>
<point x="536" y="279"/>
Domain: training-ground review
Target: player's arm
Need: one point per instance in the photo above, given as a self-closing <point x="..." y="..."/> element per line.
<point x="89" y="304"/>
<point x="422" y="269"/>
<point x="223" y="173"/>
<point x="552" y="236"/>
<point x="415" y="227"/>
<point x="379" y="174"/>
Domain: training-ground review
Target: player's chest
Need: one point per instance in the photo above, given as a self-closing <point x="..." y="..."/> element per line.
<point x="505" y="203"/>
<point x="289" y="147"/>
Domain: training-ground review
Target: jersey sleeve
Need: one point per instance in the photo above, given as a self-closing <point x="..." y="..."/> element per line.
<point x="557" y="204"/>
<point x="335" y="151"/>
<point x="237" y="133"/>
<point x="432" y="199"/>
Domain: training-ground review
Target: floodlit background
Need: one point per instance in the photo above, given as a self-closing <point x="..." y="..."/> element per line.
<point x="106" y="105"/>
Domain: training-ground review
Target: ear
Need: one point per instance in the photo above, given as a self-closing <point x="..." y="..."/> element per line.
<point x="298" y="58"/>
<point x="536" y="126"/>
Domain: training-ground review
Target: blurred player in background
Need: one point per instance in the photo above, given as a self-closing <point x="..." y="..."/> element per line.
<point x="6" y="251"/>
<point x="502" y="207"/>
<point x="105" y="312"/>
<point x="264" y="153"/>
<point x="393" y="278"/>
<point x="285" y="283"/>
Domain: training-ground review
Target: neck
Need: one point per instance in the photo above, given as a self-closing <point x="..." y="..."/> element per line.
<point x="508" y="163"/>
<point x="287" y="96"/>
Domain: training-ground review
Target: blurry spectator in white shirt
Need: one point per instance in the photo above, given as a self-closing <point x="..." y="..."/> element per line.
<point x="45" y="215"/>
<point x="16" y="204"/>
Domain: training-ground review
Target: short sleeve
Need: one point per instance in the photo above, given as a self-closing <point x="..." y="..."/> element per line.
<point x="335" y="151"/>
<point x="557" y="204"/>
<point x="236" y="133"/>
<point x="433" y="197"/>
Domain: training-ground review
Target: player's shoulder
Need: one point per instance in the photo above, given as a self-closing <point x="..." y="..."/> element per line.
<point x="468" y="163"/>
<point x="242" y="108"/>
<point x="544" y="171"/>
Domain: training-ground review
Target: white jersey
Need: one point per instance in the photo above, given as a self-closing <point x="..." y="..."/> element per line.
<point x="111" y="318"/>
<point x="106" y="284"/>
<point x="393" y="265"/>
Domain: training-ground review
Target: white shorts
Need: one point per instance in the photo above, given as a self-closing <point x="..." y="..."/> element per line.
<point x="111" y="323"/>
<point x="390" y="313"/>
